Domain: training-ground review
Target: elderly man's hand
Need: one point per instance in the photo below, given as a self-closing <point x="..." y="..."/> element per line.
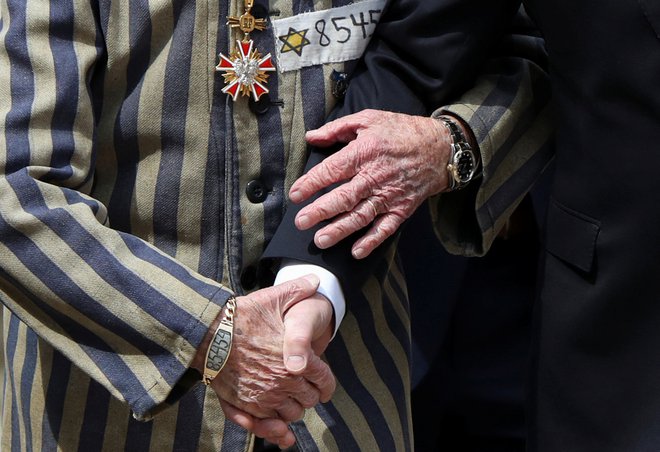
<point x="391" y="164"/>
<point x="274" y="372"/>
<point x="308" y="328"/>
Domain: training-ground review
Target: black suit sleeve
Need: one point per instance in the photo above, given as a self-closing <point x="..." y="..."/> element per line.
<point x="422" y="53"/>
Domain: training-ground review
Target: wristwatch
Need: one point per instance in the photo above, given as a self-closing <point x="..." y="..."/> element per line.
<point x="463" y="164"/>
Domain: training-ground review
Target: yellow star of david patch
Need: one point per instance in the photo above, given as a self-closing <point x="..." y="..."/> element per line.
<point x="294" y="41"/>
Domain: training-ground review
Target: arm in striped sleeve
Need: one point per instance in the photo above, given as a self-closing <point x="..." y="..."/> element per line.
<point x="508" y="111"/>
<point x="127" y="314"/>
<point x="421" y="55"/>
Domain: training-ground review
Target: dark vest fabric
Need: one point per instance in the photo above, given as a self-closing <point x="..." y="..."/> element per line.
<point x="596" y="382"/>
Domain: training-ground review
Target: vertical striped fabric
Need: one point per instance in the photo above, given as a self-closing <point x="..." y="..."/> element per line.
<point x="509" y="112"/>
<point x="125" y="225"/>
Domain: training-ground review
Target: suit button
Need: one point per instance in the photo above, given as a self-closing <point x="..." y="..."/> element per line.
<point x="259" y="107"/>
<point x="249" y="277"/>
<point x="256" y="191"/>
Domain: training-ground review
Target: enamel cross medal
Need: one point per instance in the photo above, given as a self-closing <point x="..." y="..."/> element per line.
<point x="245" y="70"/>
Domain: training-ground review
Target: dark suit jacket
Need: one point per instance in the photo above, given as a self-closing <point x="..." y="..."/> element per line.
<point x="596" y="383"/>
<point x="422" y="55"/>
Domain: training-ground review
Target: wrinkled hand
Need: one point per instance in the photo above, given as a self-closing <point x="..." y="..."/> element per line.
<point x="391" y="164"/>
<point x="274" y="371"/>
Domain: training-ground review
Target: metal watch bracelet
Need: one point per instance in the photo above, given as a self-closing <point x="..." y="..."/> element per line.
<point x="463" y="163"/>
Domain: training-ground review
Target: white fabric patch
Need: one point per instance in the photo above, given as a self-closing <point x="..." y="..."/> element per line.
<point x="329" y="36"/>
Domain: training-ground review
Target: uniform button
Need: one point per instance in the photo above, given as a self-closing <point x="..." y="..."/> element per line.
<point x="261" y="106"/>
<point x="249" y="277"/>
<point x="256" y="191"/>
<point x="265" y="277"/>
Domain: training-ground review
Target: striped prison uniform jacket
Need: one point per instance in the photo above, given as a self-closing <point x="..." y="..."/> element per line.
<point x="125" y="225"/>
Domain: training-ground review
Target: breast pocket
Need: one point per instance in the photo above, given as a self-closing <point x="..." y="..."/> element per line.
<point x="572" y="236"/>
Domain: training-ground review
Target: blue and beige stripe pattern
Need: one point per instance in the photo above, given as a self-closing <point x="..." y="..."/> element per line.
<point x="125" y="225"/>
<point x="509" y="112"/>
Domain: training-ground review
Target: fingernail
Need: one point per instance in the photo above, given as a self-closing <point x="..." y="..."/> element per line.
<point x="358" y="253"/>
<point x="295" y="362"/>
<point x="303" y="222"/>
<point x="295" y="196"/>
<point x="323" y="241"/>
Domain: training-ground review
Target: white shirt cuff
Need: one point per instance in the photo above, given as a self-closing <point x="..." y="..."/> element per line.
<point x="328" y="287"/>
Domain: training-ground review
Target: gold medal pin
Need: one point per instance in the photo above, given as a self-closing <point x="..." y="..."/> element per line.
<point x="245" y="70"/>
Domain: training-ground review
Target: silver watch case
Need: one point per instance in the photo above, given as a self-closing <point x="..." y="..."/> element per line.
<point x="463" y="163"/>
<point x="462" y="166"/>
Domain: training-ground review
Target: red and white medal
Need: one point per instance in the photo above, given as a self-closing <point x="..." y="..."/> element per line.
<point x="245" y="70"/>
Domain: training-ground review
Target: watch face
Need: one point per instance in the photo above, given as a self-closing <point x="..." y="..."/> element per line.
<point x="464" y="165"/>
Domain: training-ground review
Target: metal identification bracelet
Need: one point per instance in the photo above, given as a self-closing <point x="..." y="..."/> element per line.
<point x="218" y="351"/>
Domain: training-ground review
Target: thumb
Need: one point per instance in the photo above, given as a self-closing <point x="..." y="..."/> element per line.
<point x="298" y="336"/>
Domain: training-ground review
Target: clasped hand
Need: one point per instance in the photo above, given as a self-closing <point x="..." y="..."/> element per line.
<point x="274" y="371"/>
